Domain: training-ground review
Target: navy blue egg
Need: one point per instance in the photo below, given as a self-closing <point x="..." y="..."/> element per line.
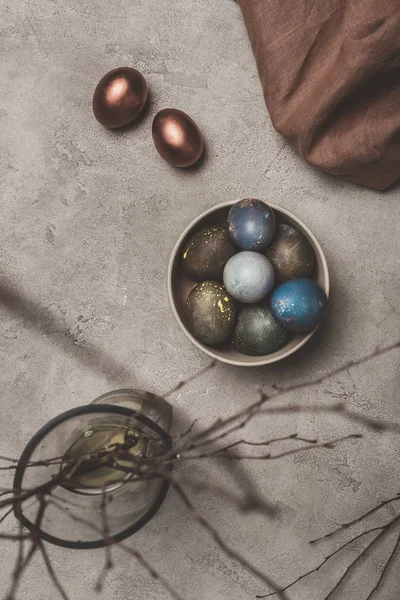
<point x="251" y="224"/>
<point x="299" y="304"/>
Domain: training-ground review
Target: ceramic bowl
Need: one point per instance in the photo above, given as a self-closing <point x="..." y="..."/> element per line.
<point x="179" y="287"/>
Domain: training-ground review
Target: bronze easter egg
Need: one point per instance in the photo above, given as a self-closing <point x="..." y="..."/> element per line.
<point x="177" y="137"/>
<point x="119" y="97"/>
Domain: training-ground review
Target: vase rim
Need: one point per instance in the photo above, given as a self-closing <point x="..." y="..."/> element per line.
<point x="45" y="429"/>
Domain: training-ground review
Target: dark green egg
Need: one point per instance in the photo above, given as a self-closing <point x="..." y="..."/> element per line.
<point x="290" y="253"/>
<point x="206" y="253"/>
<point x="210" y="313"/>
<point x="257" y="332"/>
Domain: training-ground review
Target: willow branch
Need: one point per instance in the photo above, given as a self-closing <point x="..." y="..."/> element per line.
<point x="248" y="413"/>
<point x="185" y="382"/>
<point x="386" y="567"/>
<point x="108" y="564"/>
<point x="7" y="514"/>
<point x="21" y="566"/>
<point x="21" y="562"/>
<point x="51" y="572"/>
<point x="362" y="555"/>
<point x="15" y="537"/>
<point x="327" y="558"/>
<point x="357" y="520"/>
<point x="40" y="463"/>
<point x="188" y="430"/>
<point x="313" y="446"/>
<point x="293" y="436"/>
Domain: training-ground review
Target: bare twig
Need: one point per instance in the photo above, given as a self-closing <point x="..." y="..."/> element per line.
<point x="243" y="416"/>
<point x="150" y="570"/>
<point x="293" y="436"/>
<point x="15" y="537"/>
<point x="20" y="555"/>
<point x="21" y="566"/>
<point x="39" y="463"/>
<point x="6" y="514"/>
<point x="185" y="382"/>
<point x="108" y="563"/>
<point x="8" y="459"/>
<point x="386" y="567"/>
<point x="313" y="446"/>
<point x="362" y="555"/>
<point x="327" y="558"/>
<point x="51" y="572"/>
<point x="22" y="563"/>
<point x="154" y="466"/>
<point x="42" y="490"/>
<point x="189" y="430"/>
<point x="358" y="519"/>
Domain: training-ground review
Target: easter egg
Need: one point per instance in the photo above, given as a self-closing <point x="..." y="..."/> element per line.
<point x="257" y="331"/>
<point x="251" y="224"/>
<point x="210" y="313"/>
<point x="299" y="304"/>
<point x="290" y="253"/>
<point x="177" y="137"/>
<point x="119" y="97"/>
<point x="248" y="276"/>
<point x="206" y="253"/>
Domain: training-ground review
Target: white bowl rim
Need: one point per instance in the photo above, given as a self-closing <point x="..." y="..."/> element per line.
<point x="264" y="360"/>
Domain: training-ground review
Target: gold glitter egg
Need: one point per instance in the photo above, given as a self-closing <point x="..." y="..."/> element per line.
<point x="210" y="313"/>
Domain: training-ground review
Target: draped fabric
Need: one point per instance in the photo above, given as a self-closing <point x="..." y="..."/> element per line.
<point x="330" y="71"/>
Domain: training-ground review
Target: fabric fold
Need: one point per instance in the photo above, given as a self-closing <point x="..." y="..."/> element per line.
<point x="330" y="71"/>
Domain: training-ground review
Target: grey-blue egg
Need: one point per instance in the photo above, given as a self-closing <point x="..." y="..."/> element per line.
<point x="251" y="224"/>
<point x="249" y="276"/>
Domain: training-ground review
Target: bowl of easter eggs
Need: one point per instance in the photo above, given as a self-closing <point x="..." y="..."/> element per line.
<point x="248" y="283"/>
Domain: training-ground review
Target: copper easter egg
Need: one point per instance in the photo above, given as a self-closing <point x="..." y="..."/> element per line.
<point x="177" y="137"/>
<point x="119" y="97"/>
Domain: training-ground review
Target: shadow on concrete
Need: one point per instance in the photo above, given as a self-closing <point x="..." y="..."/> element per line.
<point x="41" y="319"/>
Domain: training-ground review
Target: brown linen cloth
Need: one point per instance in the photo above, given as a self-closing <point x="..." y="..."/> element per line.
<point x="330" y="70"/>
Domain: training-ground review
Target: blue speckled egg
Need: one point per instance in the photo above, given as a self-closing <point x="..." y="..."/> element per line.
<point x="251" y="224"/>
<point x="249" y="276"/>
<point x="299" y="304"/>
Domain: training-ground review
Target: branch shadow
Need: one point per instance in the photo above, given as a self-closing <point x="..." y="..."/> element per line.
<point x="41" y="319"/>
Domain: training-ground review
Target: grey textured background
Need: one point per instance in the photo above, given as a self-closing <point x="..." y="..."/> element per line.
<point x="88" y="219"/>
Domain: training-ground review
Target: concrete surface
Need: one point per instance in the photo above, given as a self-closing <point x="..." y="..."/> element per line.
<point x="88" y="219"/>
